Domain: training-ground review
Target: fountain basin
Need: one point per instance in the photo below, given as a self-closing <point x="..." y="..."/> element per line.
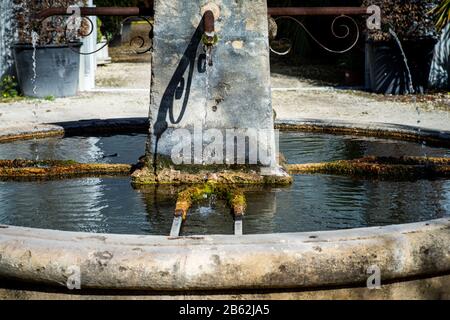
<point x="413" y="258"/>
<point x="315" y="265"/>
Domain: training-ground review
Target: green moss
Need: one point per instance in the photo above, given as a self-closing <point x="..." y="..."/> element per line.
<point x="233" y="195"/>
<point x="147" y="176"/>
<point x="196" y="193"/>
<point x="388" y="168"/>
<point x="57" y="169"/>
<point x="237" y="201"/>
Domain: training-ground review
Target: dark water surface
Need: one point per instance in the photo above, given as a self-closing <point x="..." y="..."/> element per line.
<point x="313" y="203"/>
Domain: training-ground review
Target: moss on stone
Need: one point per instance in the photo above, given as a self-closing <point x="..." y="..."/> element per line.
<point x="237" y="201"/>
<point x="57" y="169"/>
<point x="232" y="194"/>
<point x="161" y="170"/>
<point x="146" y="176"/>
<point x="380" y="167"/>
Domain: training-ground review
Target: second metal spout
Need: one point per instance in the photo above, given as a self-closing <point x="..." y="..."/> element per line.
<point x="209" y="38"/>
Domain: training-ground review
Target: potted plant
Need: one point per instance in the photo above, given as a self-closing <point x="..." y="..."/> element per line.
<point x="46" y="57"/>
<point x="398" y="57"/>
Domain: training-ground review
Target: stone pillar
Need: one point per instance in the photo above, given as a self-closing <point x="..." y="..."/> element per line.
<point x="187" y="93"/>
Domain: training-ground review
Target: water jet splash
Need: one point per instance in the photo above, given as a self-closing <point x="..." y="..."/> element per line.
<point x="410" y="84"/>
<point x="405" y="59"/>
<point x="34" y="43"/>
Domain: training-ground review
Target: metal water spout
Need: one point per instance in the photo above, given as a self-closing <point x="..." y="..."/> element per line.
<point x="209" y="37"/>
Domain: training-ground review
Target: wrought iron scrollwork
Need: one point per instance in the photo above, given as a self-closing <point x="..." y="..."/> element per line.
<point x="139" y="41"/>
<point x="74" y="28"/>
<point x="344" y="33"/>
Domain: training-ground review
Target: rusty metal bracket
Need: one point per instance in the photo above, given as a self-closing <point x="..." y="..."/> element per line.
<point x="317" y="11"/>
<point x="97" y="11"/>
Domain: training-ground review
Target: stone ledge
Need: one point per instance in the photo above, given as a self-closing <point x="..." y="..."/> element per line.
<point x="300" y="261"/>
<point x="375" y="129"/>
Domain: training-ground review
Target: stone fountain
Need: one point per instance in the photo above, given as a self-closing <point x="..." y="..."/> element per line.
<point x="211" y="117"/>
<point x="211" y="92"/>
<point x="211" y="78"/>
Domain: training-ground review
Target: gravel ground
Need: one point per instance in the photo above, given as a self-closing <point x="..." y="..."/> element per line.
<point x="123" y="92"/>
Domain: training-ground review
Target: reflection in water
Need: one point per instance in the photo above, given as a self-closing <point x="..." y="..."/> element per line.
<point x="88" y="205"/>
<point x="125" y="148"/>
<point x="307" y="147"/>
<point x="314" y="202"/>
<point x="38" y="203"/>
<point x="446" y="196"/>
<point x="322" y="202"/>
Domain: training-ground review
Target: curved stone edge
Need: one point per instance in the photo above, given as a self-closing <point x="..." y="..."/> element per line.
<point x="253" y="262"/>
<point x="428" y="288"/>
<point x="32" y="131"/>
<point x="381" y="130"/>
<point x="268" y="262"/>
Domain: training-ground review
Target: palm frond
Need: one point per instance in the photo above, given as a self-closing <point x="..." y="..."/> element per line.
<point x="442" y="14"/>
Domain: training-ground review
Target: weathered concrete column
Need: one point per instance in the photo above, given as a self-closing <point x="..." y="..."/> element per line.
<point x="187" y="93"/>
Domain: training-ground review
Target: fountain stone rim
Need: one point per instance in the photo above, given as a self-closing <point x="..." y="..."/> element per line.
<point x="406" y="250"/>
<point x="140" y="124"/>
<point x="310" y="259"/>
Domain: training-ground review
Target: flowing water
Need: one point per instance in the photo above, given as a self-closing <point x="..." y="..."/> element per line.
<point x="7" y="36"/>
<point x="312" y="203"/>
<point x="405" y="59"/>
<point x="34" y="43"/>
<point x="410" y="83"/>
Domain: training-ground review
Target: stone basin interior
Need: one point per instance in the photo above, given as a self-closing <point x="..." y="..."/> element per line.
<point x="312" y="203"/>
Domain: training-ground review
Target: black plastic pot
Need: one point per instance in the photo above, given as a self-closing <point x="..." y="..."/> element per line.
<point x="57" y="70"/>
<point x="386" y="69"/>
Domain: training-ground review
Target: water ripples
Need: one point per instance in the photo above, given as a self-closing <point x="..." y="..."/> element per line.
<point x="313" y="203"/>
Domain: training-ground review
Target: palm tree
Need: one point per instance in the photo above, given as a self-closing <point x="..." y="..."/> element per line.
<point x="442" y="13"/>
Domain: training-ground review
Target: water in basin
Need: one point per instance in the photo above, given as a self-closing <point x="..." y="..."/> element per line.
<point x="312" y="203"/>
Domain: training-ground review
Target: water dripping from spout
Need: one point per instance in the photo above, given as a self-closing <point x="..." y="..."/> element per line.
<point x="208" y="93"/>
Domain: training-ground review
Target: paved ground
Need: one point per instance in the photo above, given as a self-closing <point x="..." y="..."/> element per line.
<point x="123" y="93"/>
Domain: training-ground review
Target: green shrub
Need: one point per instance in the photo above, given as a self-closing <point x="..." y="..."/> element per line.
<point x="8" y="87"/>
<point x="409" y="19"/>
<point x="99" y="30"/>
